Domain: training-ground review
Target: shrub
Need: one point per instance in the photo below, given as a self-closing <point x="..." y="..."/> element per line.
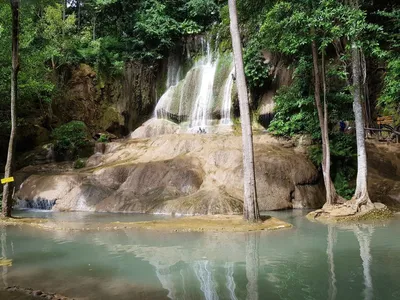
<point x="70" y="138"/>
<point x="79" y="163"/>
<point x="103" y="138"/>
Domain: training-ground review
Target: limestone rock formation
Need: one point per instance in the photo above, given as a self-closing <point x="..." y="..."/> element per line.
<point x="181" y="174"/>
<point x="155" y="127"/>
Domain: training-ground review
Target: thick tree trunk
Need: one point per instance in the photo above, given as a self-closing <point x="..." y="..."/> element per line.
<point x="331" y="195"/>
<point x="9" y="187"/>
<point x="361" y="195"/>
<point x="250" y="207"/>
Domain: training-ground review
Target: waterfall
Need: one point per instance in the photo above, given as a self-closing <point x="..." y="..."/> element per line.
<point x="42" y="204"/>
<point x="227" y="101"/>
<point x="173" y="71"/>
<point x="197" y="98"/>
<point x="200" y="114"/>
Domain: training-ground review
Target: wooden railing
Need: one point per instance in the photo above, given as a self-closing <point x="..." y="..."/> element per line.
<point x="385" y="124"/>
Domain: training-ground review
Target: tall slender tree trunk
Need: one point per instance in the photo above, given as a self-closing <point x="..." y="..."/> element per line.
<point x="361" y="194"/>
<point x="78" y="4"/>
<point x="250" y="207"/>
<point x="94" y="28"/>
<point x="9" y="187"/>
<point x="331" y="195"/>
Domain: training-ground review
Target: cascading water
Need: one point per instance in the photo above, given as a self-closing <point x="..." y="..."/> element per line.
<point x="200" y="113"/>
<point x="202" y="96"/>
<point x="173" y="71"/>
<point x="227" y="101"/>
<point x="40" y="204"/>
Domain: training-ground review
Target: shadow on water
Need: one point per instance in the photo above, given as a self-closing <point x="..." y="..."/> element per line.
<point x="311" y="261"/>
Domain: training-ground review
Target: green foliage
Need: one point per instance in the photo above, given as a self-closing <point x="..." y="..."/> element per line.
<point x="79" y="163"/>
<point x="389" y="101"/>
<point x="342" y="185"/>
<point x="70" y="137"/>
<point x="202" y="11"/>
<point x="344" y="162"/>
<point x="257" y="72"/>
<point x="103" y="138"/>
<point x="294" y="114"/>
<point x="295" y="111"/>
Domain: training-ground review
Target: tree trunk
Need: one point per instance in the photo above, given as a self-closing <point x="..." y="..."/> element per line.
<point x="250" y="205"/>
<point x="331" y="195"/>
<point x="78" y="4"/>
<point x="9" y="187"/>
<point x="94" y="28"/>
<point x="361" y="195"/>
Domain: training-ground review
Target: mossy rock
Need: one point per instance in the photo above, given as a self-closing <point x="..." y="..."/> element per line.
<point x="109" y="118"/>
<point x="378" y="213"/>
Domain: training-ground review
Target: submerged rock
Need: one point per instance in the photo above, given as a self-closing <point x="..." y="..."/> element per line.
<point x="181" y="174"/>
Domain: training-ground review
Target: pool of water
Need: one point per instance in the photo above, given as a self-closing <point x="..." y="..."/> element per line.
<point x="310" y="261"/>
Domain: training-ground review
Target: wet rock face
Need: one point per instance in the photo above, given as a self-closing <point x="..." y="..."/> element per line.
<point x="384" y="173"/>
<point x="117" y="105"/>
<point x="181" y="174"/>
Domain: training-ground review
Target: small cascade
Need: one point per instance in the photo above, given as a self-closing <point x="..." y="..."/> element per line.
<point x="227" y="101"/>
<point x="81" y="205"/>
<point x="174" y="70"/>
<point x="40" y="204"/>
<point x="201" y="110"/>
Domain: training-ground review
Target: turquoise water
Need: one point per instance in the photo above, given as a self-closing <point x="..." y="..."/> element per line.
<point x="310" y="261"/>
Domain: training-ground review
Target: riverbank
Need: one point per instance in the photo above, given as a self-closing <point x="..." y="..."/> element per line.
<point x="216" y="223"/>
<point x="20" y="293"/>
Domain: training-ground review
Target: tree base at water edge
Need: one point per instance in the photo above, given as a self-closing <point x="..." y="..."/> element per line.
<point x="347" y="212"/>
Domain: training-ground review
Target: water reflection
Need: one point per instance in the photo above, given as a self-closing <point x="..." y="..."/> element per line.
<point x="332" y="292"/>
<point x="230" y="282"/>
<point x="252" y="264"/>
<point x="364" y="236"/>
<point x="204" y="273"/>
<point x="4" y="255"/>
<point x="311" y="261"/>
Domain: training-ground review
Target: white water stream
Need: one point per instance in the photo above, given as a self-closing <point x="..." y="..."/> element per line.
<point x="199" y="97"/>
